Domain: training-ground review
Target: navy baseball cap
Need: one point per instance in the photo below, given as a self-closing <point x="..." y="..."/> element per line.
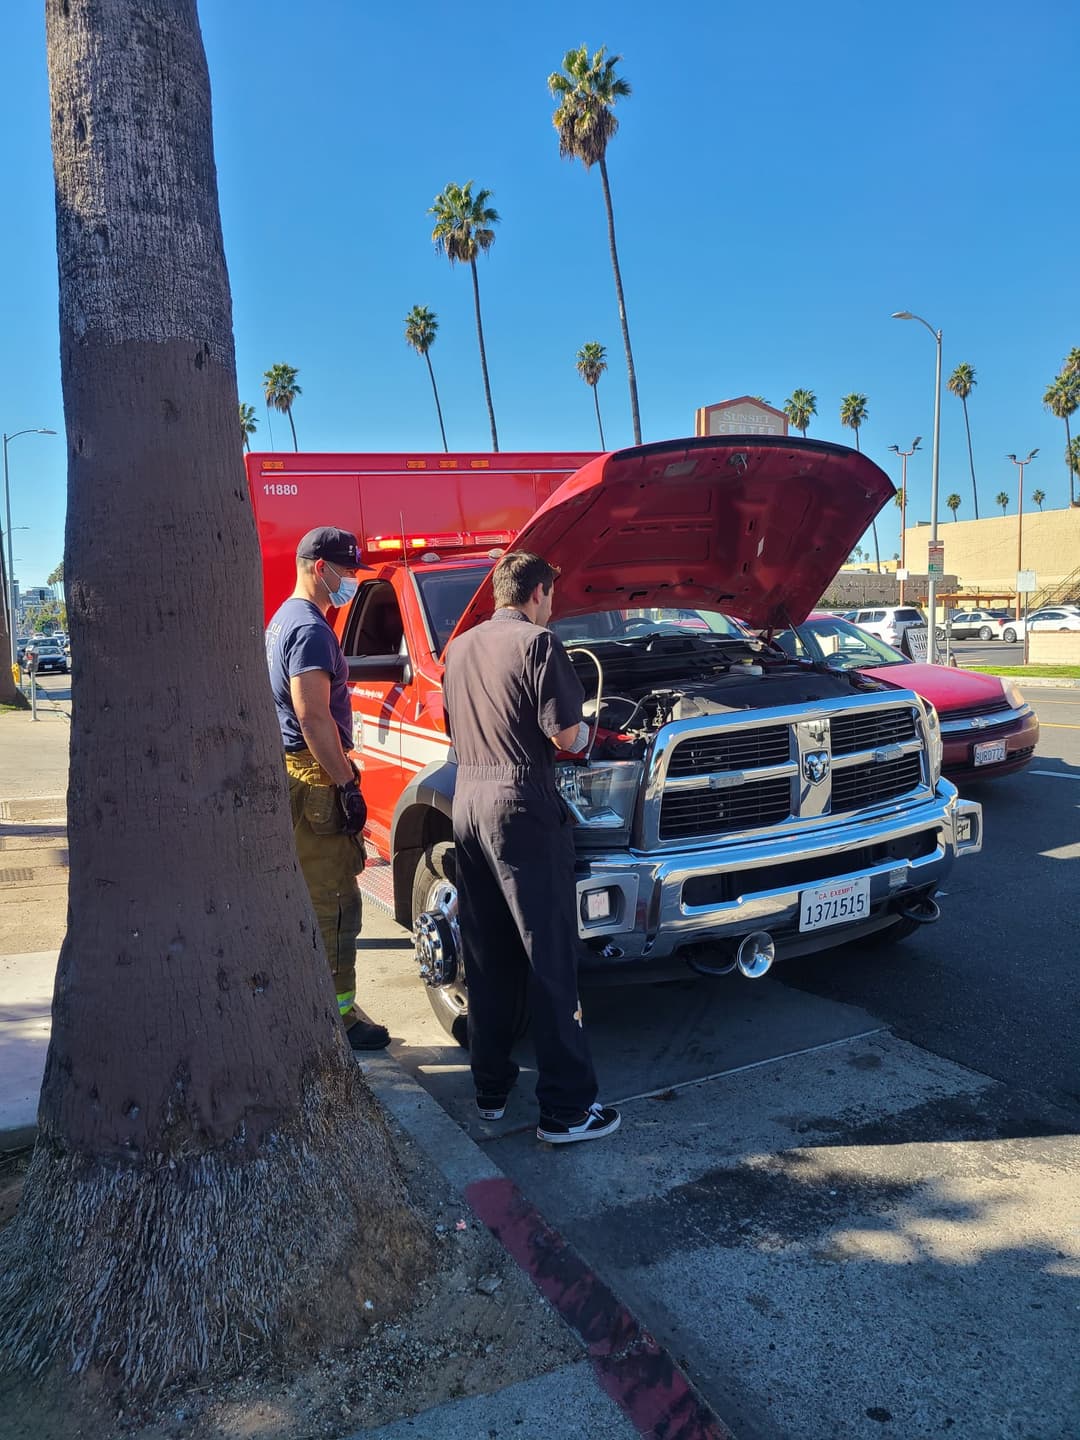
<point x="337" y="547"/>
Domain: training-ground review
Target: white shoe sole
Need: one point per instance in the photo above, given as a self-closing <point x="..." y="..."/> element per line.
<point x="550" y="1138"/>
<point x="491" y="1114"/>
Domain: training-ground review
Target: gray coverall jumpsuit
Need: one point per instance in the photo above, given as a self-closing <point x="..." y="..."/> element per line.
<point x="509" y="686"/>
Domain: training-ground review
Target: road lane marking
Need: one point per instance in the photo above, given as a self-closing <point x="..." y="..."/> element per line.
<point x="1058" y="725"/>
<point x="1057" y="774"/>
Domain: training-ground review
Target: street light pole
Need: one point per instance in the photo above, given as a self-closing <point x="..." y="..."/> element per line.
<point x="903" y="503"/>
<point x="10" y="598"/>
<point x="931" y="596"/>
<point x="1020" y="520"/>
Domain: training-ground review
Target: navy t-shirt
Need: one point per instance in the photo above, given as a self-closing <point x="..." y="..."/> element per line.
<point x="298" y="639"/>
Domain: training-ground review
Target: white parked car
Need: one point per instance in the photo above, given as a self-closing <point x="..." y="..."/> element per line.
<point x="1057" y="617"/>
<point x="887" y="622"/>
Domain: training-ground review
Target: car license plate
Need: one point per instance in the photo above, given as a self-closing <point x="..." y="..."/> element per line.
<point x="836" y="904"/>
<point x="992" y="753"/>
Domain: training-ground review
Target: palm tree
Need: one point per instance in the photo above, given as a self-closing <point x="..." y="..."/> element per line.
<point x="961" y="383"/>
<point x="591" y="364"/>
<point x="248" y="424"/>
<point x="953" y="502"/>
<point x="1038" y="496"/>
<point x="1072" y="455"/>
<point x="1003" y="500"/>
<point x="421" y="327"/>
<point x="463" y="230"/>
<point x="281" y="389"/>
<point x="854" y="411"/>
<point x="211" y="1181"/>
<point x="587" y="91"/>
<point x="1071" y="363"/>
<point x="800" y="408"/>
<point x="1062" y="398"/>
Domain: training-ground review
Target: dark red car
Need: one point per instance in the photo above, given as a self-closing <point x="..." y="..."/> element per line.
<point x="987" y="727"/>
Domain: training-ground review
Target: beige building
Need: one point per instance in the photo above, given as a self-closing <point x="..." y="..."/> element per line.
<point x="983" y="553"/>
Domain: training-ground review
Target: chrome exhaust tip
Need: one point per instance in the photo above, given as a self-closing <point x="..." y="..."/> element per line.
<point x="756" y="955"/>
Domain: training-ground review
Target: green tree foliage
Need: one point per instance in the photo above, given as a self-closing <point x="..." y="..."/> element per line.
<point x="1062" y="399"/>
<point x="961" y="383"/>
<point x="953" y="502"/>
<point x="281" y="390"/>
<point x="800" y="408"/>
<point x="421" y="328"/>
<point x="465" y="228"/>
<point x="1038" y="496"/>
<point x="591" y="364"/>
<point x="248" y="424"/>
<point x="1002" y="499"/>
<point x="586" y="90"/>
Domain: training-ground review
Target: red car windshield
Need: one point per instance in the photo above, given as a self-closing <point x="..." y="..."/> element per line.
<point x="837" y="643"/>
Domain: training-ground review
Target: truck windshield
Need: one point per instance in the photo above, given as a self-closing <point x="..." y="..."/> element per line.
<point x="631" y="624"/>
<point x="444" y="595"/>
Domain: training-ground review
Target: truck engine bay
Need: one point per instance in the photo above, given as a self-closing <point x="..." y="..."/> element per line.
<point x="638" y="684"/>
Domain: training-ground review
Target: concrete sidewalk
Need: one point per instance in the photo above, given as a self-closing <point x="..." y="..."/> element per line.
<point x="623" y="1385"/>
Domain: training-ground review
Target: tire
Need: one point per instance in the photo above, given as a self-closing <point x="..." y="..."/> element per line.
<point x="435" y="889"/>
<point x="1008" y="635"/>
<point x="986" y="633"/>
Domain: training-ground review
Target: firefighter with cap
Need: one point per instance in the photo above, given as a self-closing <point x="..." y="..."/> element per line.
<point x="513" y="700"/>
<point x="309" y="678"/>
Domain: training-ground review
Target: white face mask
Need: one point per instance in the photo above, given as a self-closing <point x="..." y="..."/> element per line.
<point x="346" y="589"/>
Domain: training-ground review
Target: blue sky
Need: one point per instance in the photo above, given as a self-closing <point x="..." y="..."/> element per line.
<point x="784" y="177"/>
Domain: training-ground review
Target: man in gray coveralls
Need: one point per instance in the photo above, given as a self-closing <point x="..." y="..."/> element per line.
<point x="512" y="701"/>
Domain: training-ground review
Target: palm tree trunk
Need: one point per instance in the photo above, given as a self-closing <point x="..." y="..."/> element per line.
<point x="292" y="427"/>
<point x="205" y="1145"/>
<point x="483" y="357"/>
<point x="971" y="458"/>
<point x="1068" y="460"/>
<point x="631" y="374"/>
<point x="438" y="407"/>
<point x="599" y="422"/>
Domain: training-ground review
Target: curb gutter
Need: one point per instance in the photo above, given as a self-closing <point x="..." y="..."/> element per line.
<point x="632" y="1367"/>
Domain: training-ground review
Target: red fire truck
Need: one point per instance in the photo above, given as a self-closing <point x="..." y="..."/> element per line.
<point x="736" y="805"/>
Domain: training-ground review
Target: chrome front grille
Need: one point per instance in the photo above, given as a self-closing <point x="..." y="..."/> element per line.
<point x="731" y="750"/>
<point x="721" y="776"/>
<point x="851" y="733"/>
<point x="689" y="813"/>
<point x="869" y="784"/>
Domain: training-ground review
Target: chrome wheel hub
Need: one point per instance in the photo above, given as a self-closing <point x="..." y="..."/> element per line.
<point x="438" y="940"/>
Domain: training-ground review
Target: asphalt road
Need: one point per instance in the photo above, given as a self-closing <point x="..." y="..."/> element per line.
<point x="990" y="652"/>
<point x="845" y="1196"/>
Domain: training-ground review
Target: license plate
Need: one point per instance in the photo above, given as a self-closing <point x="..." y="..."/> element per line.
<point x="991" y="753"/>
<point x="836" y="904"/>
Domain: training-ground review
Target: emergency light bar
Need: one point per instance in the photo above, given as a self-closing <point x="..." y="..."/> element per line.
<point x="457" y="540"/>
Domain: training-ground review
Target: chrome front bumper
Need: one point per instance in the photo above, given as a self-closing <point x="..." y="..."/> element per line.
<point x="648" y="918"/>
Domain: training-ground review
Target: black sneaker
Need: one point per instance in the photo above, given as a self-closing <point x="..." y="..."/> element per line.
<point x="491" y="1107"/>
<point x="598" y="1121"/>
<point x="366" y="1035"/>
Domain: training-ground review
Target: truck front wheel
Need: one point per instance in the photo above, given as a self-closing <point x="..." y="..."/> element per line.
<point x="438" y="940"/>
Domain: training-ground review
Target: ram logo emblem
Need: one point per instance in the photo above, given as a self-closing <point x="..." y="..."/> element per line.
<point x="815" y="765"/>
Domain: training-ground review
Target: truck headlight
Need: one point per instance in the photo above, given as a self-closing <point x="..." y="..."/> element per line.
<point x="601" y="795"/>
<point x="933" y="742"/>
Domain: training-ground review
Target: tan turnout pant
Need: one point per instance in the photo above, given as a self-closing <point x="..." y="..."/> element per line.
<point x="330" y="861"/>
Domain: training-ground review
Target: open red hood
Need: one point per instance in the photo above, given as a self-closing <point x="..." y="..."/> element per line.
<point x="755" y="526"/>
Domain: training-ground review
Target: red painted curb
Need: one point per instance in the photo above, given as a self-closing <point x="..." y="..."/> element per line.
<point x="632" y="1368"/>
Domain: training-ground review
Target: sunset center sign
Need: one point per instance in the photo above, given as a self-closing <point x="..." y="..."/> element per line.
<point x="744" y="416"/>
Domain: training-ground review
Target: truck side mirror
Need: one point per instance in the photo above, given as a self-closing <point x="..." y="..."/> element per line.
<point x="385" y="669"/>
